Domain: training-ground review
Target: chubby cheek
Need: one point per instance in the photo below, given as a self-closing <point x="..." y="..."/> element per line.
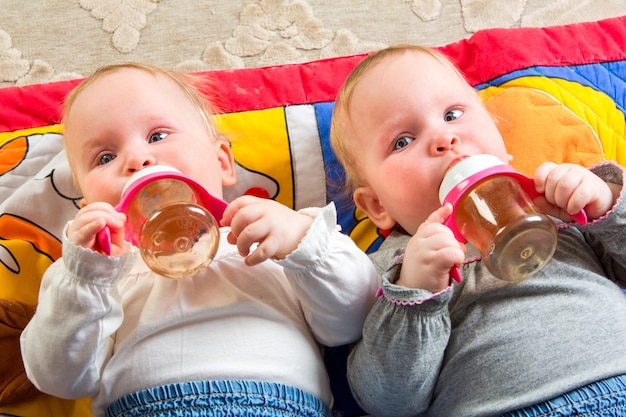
<point x="493" y="143"/>
<point x="410" y="199"/>
<point x="98" y="189"/>
<point x="214" y="186"/>
<point x="414" y="210"/>
<point x="209" y="176"/>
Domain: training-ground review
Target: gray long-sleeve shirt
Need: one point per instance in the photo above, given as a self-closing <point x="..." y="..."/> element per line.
<point x="485" y="346"/>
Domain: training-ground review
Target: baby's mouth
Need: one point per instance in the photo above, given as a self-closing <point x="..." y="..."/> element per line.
<point x="456" y="161"/>
<point x="452" y="164"/>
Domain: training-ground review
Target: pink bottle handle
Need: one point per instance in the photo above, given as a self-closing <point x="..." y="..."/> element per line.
<point x="213" y="204"/>
<point x="455" y="274"/>
<point x="527" y="184"/>
<point x="580" y="217"/>
<point x="103" y="240"/>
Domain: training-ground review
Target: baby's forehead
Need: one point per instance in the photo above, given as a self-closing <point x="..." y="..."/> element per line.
<point x="119" y="81"/>
<point x="129" y="75"/>
<point x="416" y="67"/>
<point x="424" y="59"/>
<point x="409" y="63"/>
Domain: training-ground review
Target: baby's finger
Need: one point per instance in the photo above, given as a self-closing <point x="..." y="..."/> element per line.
<point x="85" y="234"/>
<point x="235" y="207"/>
<point x="262" y="252"/>
<point x="255" y="232"/>
<point x="441" y="214"/>
<point x="566" y="188"/>
<point x="541" y="176"/>
<point x="231" y="238"/>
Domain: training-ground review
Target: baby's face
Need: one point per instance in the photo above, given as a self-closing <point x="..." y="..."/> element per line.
<point x="413" y="117"/>
<point x="130" y="119"/>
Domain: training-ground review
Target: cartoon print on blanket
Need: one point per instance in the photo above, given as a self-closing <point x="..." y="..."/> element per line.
<point x="549" y="106"/>
<point x="33" y="179"/>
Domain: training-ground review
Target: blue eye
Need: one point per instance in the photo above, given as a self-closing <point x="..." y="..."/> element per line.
<point x="105" y="159"/>
<point x="452" y="115"/>
<point x="402" y="142"/>
<point x="155" y="137"/>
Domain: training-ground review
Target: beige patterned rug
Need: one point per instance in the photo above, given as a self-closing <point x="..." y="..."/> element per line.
<point x="51" y="40"/>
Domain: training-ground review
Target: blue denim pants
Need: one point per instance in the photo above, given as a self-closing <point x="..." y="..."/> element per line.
<point x="600" y="399"/>
<point x="219" y="399"/>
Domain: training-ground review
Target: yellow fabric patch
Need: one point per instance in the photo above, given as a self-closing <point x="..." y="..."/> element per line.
<point x="260" y="144"/>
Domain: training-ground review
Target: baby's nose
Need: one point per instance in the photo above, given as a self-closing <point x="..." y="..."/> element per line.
<point x="445" y="142"/>
<point x="138" y="163"/>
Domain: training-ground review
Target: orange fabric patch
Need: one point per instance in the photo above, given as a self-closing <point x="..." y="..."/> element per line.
<point x="537" y="127"/>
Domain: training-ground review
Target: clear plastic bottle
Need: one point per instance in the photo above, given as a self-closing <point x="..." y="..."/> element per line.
<point x="171" y="219"/>
<point x="494" y="213"/>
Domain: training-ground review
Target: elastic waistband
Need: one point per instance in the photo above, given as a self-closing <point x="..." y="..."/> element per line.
<point x="601" y="398"/>
<point x="234" y="398"/>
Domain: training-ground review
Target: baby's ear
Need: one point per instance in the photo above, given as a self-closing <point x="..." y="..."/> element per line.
<point x="227" y="163"/>
<point x="367" y="201"/>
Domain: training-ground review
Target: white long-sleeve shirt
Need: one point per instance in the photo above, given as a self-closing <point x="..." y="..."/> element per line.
<point x="109" y="326"/>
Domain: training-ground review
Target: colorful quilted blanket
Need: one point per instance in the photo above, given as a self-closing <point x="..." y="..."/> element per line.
<point x="558" y="93"/>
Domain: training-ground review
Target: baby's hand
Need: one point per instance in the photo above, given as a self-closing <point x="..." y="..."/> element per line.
<point x="569" y="188"/>
<point x="91" y="219"/>
<point x="431" y="253"/>
<point x="276" y="228"/>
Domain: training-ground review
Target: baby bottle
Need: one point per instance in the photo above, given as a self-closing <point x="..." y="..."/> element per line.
<point x="493" y="211"/>
<point x="172" y="219"/>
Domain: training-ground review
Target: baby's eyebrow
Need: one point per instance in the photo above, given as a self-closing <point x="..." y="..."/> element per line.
<point x="93" y="145"/>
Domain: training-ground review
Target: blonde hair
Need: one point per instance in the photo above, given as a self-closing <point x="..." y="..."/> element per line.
<point x="190" y="85"/>
<point x="340" y="128"/>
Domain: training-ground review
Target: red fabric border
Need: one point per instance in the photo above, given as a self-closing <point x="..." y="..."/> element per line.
<point x="494" y="52"/>
<point x="486" y="55"/>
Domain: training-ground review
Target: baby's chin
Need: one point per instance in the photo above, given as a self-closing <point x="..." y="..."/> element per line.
<point x="409" y="228"/>
<point x="90" y="200"/>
